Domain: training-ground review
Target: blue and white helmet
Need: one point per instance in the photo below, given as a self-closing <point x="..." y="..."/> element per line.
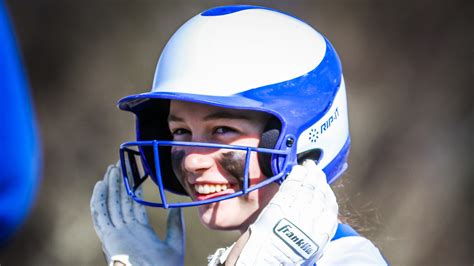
<point x="249" y="58"/>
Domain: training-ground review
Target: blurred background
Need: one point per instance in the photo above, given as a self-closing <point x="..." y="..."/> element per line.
<point x="408" y="67"/>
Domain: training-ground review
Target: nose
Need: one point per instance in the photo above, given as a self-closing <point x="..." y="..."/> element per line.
<point x="196" y="161"/>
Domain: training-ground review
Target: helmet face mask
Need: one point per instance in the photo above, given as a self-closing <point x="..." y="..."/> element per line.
<point x="133" y="180"/>
<point x="298" y="83"/>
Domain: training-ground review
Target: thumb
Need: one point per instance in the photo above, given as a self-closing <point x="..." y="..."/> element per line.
<point x="175" y="231"/>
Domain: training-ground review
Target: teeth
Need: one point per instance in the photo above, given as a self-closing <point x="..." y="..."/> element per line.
<point x="209" y="188"/>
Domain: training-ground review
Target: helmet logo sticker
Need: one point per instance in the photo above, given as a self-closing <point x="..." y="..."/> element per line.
<point x="314" y="133"/>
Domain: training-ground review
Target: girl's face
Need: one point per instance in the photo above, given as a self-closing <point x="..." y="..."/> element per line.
<point x="206" y="173"/>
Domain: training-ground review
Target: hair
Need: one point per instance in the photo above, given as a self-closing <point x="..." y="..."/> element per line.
<point x="366" y="219"/>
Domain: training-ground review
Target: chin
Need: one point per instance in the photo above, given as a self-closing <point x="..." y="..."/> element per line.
<point x="221" y="216"/>
<point x="227" y="215"/>
<point x="219" y="226"/>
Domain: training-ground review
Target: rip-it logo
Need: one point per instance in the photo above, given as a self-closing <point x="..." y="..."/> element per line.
<point x="318" y="131"/>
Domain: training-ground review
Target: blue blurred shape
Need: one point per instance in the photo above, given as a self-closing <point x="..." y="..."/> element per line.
<point x="20" y="156"/>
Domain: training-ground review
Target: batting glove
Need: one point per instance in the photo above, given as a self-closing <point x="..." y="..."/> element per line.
<point x="123" y="228"/>
<point x="297" y="223"/>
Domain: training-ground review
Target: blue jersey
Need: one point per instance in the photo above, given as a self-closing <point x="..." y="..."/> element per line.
<point x="349" y="248"/>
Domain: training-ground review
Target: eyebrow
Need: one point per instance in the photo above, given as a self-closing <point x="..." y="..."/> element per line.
<point x="173" y="118"/>
<point x="225" y="114"/>
<point x="216" y="115"/>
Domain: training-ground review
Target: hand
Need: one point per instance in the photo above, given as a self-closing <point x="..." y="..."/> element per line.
<point x="123" y="228"/>
<point x="296" y="225"/>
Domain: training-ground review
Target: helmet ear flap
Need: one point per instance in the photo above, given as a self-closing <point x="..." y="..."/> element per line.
<point x="268" y="140"/>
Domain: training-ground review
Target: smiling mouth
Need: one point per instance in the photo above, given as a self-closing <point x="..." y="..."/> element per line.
<point x="208" y="191"/>
<point x="210" y="188"/>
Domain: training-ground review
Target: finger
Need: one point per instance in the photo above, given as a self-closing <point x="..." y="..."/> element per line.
<point x="318" y="179"/>
<point x="125" y="200"/>
<point x="113" y="197"/>
<point x="128" y="168"/>
<point x="289" y="188"/>
<point x="294" y="180"/>
<point x="297" y="173"/>
<point x="99" y="212"/>
<point x="323" y="193"/>
<point x="307" y="195"/>
<point x="107" y="173"/>
<point x="314" y="186"/>
<point x="139" y="209"/>
<point x="175" y="230"/>
<point x="126" y="205"/>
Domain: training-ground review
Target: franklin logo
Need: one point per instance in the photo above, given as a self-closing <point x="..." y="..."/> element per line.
<point x="295" y="238"/>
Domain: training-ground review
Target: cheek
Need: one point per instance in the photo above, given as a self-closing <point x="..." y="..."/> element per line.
<point x="177" y="157"/>
<point x="234" y="163"/>
<point x="255" y="172"/>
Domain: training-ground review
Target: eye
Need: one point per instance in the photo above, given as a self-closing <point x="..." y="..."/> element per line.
<point x="180" y="132"/>
<point x="224" y="130"/>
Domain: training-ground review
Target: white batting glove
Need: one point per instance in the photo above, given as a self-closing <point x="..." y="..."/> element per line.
<point x="123" y="228"/>
<point x="297" y="223"/>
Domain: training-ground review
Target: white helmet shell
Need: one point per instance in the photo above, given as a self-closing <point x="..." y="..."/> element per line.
<point x="227" y="54"/>
<point x="253" y="58"/>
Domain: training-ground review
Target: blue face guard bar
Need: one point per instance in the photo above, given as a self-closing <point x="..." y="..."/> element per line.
<point x="132" y="183"/>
